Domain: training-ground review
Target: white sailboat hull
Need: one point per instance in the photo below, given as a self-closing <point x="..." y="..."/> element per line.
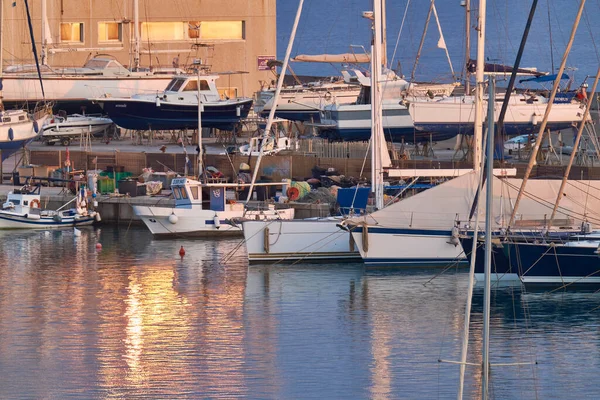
<point x="405" y="247"/>
<point x="293" y="240"/>
<point x="70" y="88"/>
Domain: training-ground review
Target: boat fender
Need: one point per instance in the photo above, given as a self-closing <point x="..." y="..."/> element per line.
<point x="33" y="216"/>
<point x="173" y="219"/>
<point x="57" y="218"/>
<point x="97" y="217"/>
<point x="157" y="101"/>
<point x="36" y="127"/>
<point x="217" y="221"/>
<point x="454" y="239"/>
<point x="11" y="134"/>
<point x="266" y="244"/>
<point x="35" y="203"/>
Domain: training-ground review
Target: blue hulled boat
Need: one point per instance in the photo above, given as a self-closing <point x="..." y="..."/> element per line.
<point x="177" y="107"/>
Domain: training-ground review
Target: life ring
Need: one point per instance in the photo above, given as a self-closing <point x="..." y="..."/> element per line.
<point x="293" y="193"/>
<point x="35" y="203"/>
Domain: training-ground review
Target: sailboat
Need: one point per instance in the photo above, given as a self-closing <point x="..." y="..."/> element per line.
<point x="17" y="127"/>
<point x="323" y="239"/>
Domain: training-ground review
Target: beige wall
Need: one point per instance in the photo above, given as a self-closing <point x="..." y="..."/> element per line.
<point x="236" y="55"/>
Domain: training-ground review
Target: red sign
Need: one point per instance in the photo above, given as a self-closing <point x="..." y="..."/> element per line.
<point x="262" y="62"/>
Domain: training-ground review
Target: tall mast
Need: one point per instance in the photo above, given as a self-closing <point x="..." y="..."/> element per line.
<point x="44" y="28"/>
<point x="383" y="34"/>
<point x="485" y="374"/>
<point x="136" y="35"/>
<point x="479" y="82"/>
<point x="201" y="151"/>
<point x="467" y="46"/>
<point x="378" y="145"/>
<point x="1" y="51"/>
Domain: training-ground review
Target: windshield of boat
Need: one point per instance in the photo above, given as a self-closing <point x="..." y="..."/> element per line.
<point x="174" y="85"/>
<point x="193" y="86"/>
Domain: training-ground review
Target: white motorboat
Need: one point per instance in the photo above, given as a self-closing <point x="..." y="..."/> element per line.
<point x="18" y="128"/>
<point x="23" y="210"/>
<point x="189" y="218"/>
<point x="65" y="128"/>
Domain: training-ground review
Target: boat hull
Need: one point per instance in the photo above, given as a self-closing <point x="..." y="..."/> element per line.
<point x="145" y="115"/>
<point x="298" y="240"/>
<point x="196" y="222"/>
<point x="22" y="134"/>
<point x="406" y="247"/>
<point x="549" y="264"/>
<point x="352" y="122"/>
<point x="8" y="221"/>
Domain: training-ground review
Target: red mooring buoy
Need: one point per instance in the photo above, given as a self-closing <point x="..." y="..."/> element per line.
<point x="181" y="252"/>
<point x="98" y="246"/>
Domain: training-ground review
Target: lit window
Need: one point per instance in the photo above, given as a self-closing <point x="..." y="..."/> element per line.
<point x="110" y="32"/>
<point x="71" y="32"/>
<point x="216" y="30"/>
<point x="163" y="31"/>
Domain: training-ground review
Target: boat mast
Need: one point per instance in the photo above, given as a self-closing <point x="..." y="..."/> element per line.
<point x="200" y="149"/>
<point x="540" y="136"/>
<point x="467" y="4"/>
<point x="1" y="52"/>
<point x="586" y="113"/>
<point x="136" y="35"/>
<point x="489" y="187"/>
<point x="286" y="61"/>
<point x="44" y="38"/>
<point x="378" y="144"/>
<point x="412" y="75"/>
<point x="383" y="34"/>
<point x="479" y="82"/>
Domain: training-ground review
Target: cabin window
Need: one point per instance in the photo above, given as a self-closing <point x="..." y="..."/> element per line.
<point x="163" y="31"/>
<point x="184" y="194"/>
<point x="176" y="193"/>
<point x="193" y="86"/>
<point x="194" y="191"/>
<point x="175" y="85"/>
<point x="217" y="30"/>
<point x="21" y="118"/>
<point x="25" y="202"/>
<point x="110" y="32"/>
<point x="71" y="32"/>
<point x="6" y="119"/>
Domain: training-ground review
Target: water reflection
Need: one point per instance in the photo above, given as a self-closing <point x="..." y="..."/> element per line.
<point x="134" y="320"/>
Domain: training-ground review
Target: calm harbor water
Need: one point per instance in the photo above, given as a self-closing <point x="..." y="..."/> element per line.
<point x="135" y="321"/>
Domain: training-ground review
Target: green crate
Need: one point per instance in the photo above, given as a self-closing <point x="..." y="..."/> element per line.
<point x="106" y="185"/>
<point x="116" y="175"/>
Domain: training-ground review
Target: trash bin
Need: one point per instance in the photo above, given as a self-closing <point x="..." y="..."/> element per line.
<point x="128" y="187"/>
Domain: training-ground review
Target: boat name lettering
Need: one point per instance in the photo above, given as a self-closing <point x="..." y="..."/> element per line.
<point x="121" y="105"/>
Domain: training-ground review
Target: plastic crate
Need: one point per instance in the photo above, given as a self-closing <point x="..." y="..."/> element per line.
<point x="106" y="185"/>
<point x="116" y="175"/>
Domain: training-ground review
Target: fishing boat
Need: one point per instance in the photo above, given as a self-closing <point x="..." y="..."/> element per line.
<point x="177" y="107"/>
<point x="23" y="210"/>
<point x="65" y="128"/>
<point x="189" y="218"/>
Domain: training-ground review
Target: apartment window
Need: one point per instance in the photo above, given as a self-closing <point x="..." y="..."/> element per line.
<point x="216" y="30"/>
<point x="163" y="31"/>
<point x="71" y="32"/>
<point x="110" y="32"/>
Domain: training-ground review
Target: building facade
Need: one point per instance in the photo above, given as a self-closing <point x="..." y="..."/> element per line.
<point x="225" y="35"/>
